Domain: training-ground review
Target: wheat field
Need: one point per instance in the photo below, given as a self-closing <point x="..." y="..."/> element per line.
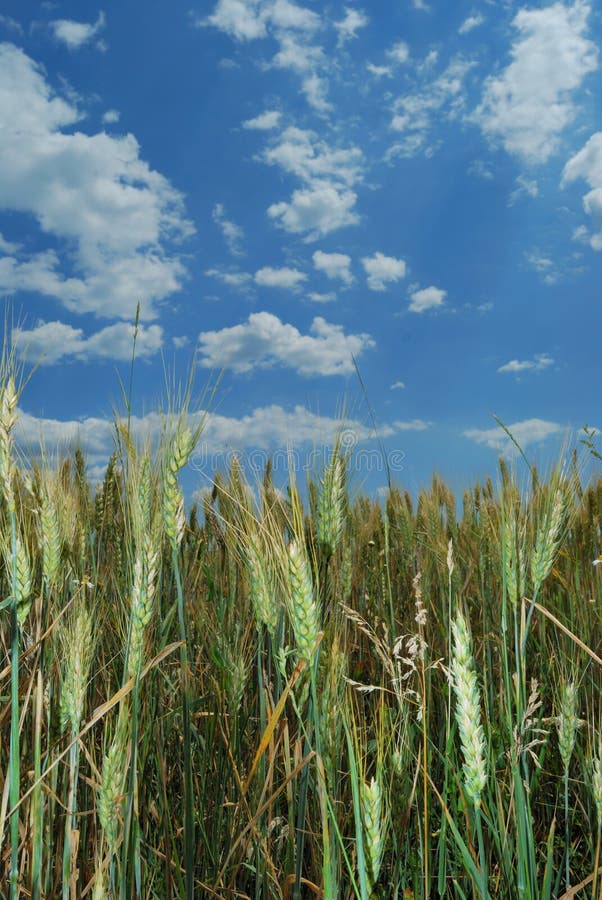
<point x="264" y="696"/>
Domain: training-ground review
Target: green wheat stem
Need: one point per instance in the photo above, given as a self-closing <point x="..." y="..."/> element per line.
<point x="188" y="804"/>
<point x="14" y="764"/>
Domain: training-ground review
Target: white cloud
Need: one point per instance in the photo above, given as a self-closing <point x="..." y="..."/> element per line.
<point x="544" y="266"/>
<point x="279" y="278"/>
<point x="265" y="121"/>
<point x="52" y="342"/>
<point x="529" y="105"/>
<point x="316" y="211"/>
<point x="399" y="53"/>
<point x="232" y="279"/>
<point x="526" y="432"/>
<point x="414" y="113"/>
<point x="480" y="169"/>
<point x="539" y="362"/>
<point x="292" y="26"/>
<point x="109" y="213"/>
<point x="381" y="270"/>
<point x="264" y="341"/>
<point x="397" y="386"/>
<point x="379" y="71"/>
<point x="75" y="34"/>
<point x="301" y="153"/>
<point x="232" y="233"/>
<point x="471" y="22"/>
<point x="270" y="428"/>
<point x="334" y="265"/>
<point x="348" y="27"/>
<point x="110" y="117"/>
<point x="326" y="201"/>
<point x="427" y="298"/>
<point x="412" y="425"/>
<point x="322" y="298"/>
<point x="11" y="24"/>
<point x="524" y="187"/>
<point x="587" y="164"/>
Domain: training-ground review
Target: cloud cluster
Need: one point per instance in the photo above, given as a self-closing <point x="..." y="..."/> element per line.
<point x="415" y="111"/>
<point x="587" y="164"/>
<point x="265" y="341"/>
<point x="532" y="101"/>
<point x="293" y="27"/>
<point x="111" y="214"/>
<point x="52" y="342"/>
<point x="326" y="201"/>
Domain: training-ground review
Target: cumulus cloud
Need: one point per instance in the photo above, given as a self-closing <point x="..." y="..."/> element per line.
<point x="426" y="298"/>
<point x="279" y="278"/>
<point x="232" y="233"/>
<point x="587" y="165"/>
<point x="334" y="265"/>
<point x="326" y="200"/>
<point x="470" y="23"/>
<point x="316" y="211"/>
<point x="382" y="270"/>
<point x="539" y="362"/>
<point x="265" y="121"/>
<point x="75" y="34"/>
<point x="52" y="342"/>
<point x="111" y="215"/>
<point x="353" y="20"/>
<point x="525" y="432"/>
<point x="529" y="105"/>
<point x="264" y="341"/>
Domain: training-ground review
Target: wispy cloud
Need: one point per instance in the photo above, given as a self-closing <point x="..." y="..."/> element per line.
<point x="470" y="23"/>
<point x="530" y="104"/>
<point x="397" y="386"/>
<point x="265" y="121"/>
<point x="539" y="362"/>
<point x="348" y="27"/>
<point x="264" y="341"/>
<point x="232" y="233"/>
<point x="417" y="111"/>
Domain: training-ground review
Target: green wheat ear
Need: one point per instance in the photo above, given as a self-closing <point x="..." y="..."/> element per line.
<point x="303" y="609"/>
<point x="468" y="711"/>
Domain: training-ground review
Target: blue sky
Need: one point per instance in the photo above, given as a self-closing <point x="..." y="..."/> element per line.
<point x="286" y="187"/>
